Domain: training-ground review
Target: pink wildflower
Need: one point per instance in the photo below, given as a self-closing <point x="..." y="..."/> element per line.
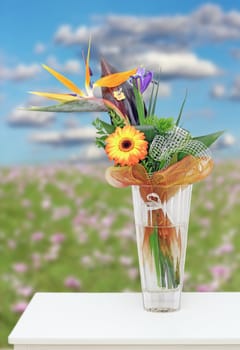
<point x="25" y="291"/>
<point x="57" y="238"/>
<point x="224" y="248"/>
<point x="221" y="271"/>
<point x="206" y="288"/>
<point x="46" y="203"/>
<point x="87" y="261"/>
<point x="125" y="260"/>
<point x="133" y="273"/>
<point x="72" y="282"/>
<point x="36" y="260"/>
<point x="20" y="267"/>
<point x="107" y="221"/>
<point x="26" y="203"/>
<point x="19" y="307"/>
<point x="104" y="234"/>
<point x="37" y="236"/>
<point x="11" y="244"/>
<point x="209" y="205"/>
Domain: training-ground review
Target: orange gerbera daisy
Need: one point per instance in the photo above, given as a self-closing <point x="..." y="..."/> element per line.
<point x="126" y="146"/>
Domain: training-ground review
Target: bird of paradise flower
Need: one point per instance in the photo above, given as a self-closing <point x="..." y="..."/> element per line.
<point x="85" y="101"/>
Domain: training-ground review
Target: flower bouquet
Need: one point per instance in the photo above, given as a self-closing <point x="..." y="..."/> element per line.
<point x="157" y="157"/>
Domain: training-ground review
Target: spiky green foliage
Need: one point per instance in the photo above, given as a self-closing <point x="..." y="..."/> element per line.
<point x="181" y="109"/>
<point x="117" y="121"/>
<point x="153" y="99"/>
<point x="162" y="125"/>
<point x="103" y="130"/>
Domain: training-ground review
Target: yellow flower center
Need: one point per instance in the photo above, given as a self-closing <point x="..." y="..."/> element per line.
<point x="126" y="145"/>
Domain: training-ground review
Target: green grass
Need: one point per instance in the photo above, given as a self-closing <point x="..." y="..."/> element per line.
<point x="88" y="234"/>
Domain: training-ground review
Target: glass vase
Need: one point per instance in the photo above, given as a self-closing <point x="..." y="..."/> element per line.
<point x="161" y="219"/>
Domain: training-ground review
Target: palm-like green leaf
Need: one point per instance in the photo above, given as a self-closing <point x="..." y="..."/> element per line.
<point x="81" y="105"/>
<point x="209" y="139"/>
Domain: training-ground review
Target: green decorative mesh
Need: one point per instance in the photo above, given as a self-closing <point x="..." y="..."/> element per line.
<point x="197" y="149"/>
<point x="163" y="148"/>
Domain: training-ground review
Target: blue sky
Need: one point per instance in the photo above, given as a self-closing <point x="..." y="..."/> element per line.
<point x="195" y="44"/>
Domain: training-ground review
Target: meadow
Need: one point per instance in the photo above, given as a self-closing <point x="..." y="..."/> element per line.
<point x="63" y="228"/>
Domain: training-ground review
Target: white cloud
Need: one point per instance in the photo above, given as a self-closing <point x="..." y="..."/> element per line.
<point x="71" y="66"/>
<point x="230" y="93"/>
<point x="35" y="100"/>
<point x="71" y="122"/>
<point x="235" y="90"/>
<point x="69" y="137"/>
<point x="163" y="91"/>
<point x="229" y="140"/>
<point x="211" y="23"/>
<point x="160" y="41"/>
<point x="89" y="153"/>
<point x="39" y="48"/>
<point x="207" y="23"/>
<point x="64" y="35"/>
<point x="182" y="64"/>
<point x="225" y="141"/>
<point x="24" y="118"/>
<point x="67" y="36"/>
<point x="23" y="71"/>
<point x="20" y="72"/>
<point x="4" y="72"/>
<point x="218" y="91"/>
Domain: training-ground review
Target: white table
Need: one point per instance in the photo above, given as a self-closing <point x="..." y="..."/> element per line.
<point x="117" y="321"/>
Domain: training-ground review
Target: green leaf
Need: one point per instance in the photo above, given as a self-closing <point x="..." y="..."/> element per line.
<point x="162" y="264"/>
<point x="100" y="143"/>
<point x="209" y="139"/>
<point x="155" y="99"/>
<point x="81" y="105"/>
<point x="154" y="245"/>
<point x="148" y="130"/>
<point x="177" y="272"/>
<point x="181" y="109"/>
<point x="101" y="125"/>
<point x="139" y="105"/>
<point x="116" y="120"/>
<point x="149" y="112"/>
<point x="170" y="272"/>
<point x="181" y="155"/>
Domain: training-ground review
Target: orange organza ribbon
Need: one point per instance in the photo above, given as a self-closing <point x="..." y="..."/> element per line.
<point x="185" y="172"/>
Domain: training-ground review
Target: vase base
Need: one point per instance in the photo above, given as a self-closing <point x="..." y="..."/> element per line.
<point x="163" y="301"/>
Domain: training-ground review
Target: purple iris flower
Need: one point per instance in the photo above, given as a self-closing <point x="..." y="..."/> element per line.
<point x="143" y="78"/>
